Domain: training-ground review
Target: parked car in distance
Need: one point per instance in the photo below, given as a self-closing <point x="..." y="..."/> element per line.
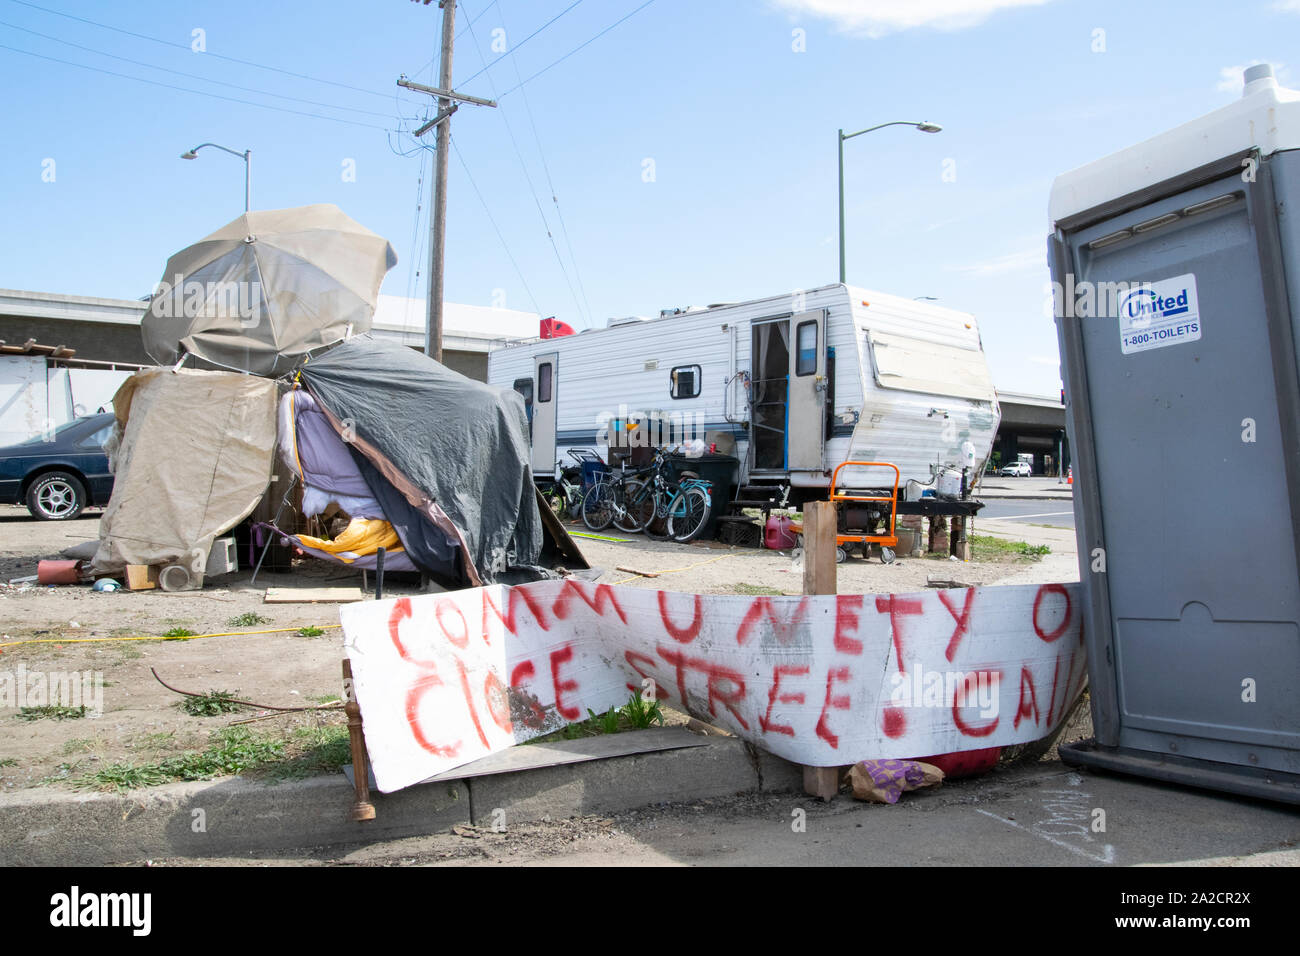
<point x="1017" y="469"/>
<point x="57" y="478"/>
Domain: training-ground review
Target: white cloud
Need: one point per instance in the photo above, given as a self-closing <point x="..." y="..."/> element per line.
<point x="1022" y="261"/>
<point x="875" y="18"/>
<point x="1230" y="77"/>
<point x="1287" y="6"/>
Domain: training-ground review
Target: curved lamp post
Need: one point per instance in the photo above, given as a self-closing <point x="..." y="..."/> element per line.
<point x="194" y="153"/>
<point x="923" y="126"/>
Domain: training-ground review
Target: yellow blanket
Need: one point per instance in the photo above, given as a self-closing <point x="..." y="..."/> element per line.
<point x="362" y="536"/>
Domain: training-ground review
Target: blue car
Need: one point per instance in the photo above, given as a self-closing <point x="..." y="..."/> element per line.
<point x="58" y="477"/>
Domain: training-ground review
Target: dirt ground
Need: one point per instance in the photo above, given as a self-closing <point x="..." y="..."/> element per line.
<point x="81" y="630"/>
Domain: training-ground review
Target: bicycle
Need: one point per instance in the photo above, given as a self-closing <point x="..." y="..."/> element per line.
<point x="666" y="509"/>
<point x="606" y="501"/>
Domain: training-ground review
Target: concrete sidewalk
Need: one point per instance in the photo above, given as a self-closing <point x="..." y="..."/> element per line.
<point x="1026" y="489"/>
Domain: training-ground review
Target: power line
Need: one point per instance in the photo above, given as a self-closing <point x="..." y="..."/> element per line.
<point x="529" y="179"/>
<point x="185" y="89"/>
<point x="488" y="212"/>
<point x="487" y="66"/>
<point x="577" y="273"/>
<point x="577" y="48"/>
<point x="182" y="46"/>
<point x="193" y="76"/>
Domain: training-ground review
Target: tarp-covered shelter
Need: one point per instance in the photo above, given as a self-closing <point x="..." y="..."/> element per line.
<point x="443" y="457"/>
<point x="193" y="460"/>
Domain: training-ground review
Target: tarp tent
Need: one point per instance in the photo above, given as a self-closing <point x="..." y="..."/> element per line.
<point x="445" y="459"/>
<point x="193" y="460"/>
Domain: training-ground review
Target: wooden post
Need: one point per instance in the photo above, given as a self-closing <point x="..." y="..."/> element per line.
<point x="960" y="545"/>
<point x="363" y="809"/>
<point x="819" y="577"/>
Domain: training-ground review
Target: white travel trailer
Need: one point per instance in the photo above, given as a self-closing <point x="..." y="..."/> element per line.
<point x="799" y="382"/>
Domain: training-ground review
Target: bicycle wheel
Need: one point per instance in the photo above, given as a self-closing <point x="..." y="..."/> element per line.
<point x="656" y="524"/>
<point x="554" y="496"/>
<point x="638" y="507"/>
<point x="687" y="514"/>
<point x="598" y="507"/>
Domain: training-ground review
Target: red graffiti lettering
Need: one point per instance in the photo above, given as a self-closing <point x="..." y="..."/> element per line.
<point x="563" y="656"/>
<point x="783" y="630"/>
<point x="1027" y="707"/>
<point x="716" y="677"/>
<point x="898" y="607"/>
<point x="847" y="607"/>
<point x="660" y="692"/>
<point x="959" y="700"/>
<point x="469" y="699"/>
<point x="1046" y="589"/>
<point x="523" y="672"/>
<point x="773" y="697"/>
<point x="414" y="695"/>
<point x="498" y="701"/>
<point x="893" y="722"/>
<point x="604" y="597"/>
<point x="841" y="702"/>
<point x="683" y="635"/>
<point x="962" y="619"/>
<point x="518" y="595"/>
<point x="459" y="638"/>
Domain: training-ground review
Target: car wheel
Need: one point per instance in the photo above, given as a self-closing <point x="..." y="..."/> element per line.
<point x="56" y="496"/>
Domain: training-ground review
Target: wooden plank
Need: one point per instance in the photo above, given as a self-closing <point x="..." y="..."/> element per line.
<point x="819" y="548"/>
<point x="313" y="595"/>
<point x="563" y="752"/>
<point x="821" y="782"/>
<point x="819" y="577"/>
<point x="644" y="574"/>
<point x="141" y="577"/>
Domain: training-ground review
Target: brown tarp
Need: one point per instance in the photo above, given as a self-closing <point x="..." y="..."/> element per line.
<point x="192" y="460"/>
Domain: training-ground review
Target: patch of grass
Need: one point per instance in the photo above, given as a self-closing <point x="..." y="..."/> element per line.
<point x="606" y="723"/>
<point x="248" y="619"/>
<point x="8" y="761"/>
<point x="313" y="750"/>
<point x="130" y="653"/>
<point x="325" y="699"/>
<point x="176" y="632"/>
<point x="78" y="745"/>
<point x="641" y="713"/>
<point x="234" y="750"/>
<point x="310" y="631"/>
<point x="987" y="547"/>
<point x="754" y="589"/>
<point x="52" y="712"/>
<point x="211" y="704"/>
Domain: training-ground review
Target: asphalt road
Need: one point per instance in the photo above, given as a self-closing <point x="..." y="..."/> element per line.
<point x="1056" y="514"/>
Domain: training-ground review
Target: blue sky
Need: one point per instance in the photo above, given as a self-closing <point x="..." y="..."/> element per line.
<point x="735" y="105"/>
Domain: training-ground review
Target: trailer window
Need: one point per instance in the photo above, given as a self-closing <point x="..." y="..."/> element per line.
<point x="544" y="382"/>
<point x="806" y="343"/>
<point x="685" y="382"/>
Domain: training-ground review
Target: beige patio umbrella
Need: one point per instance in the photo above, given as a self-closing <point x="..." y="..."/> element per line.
<point x="267" y="288"/>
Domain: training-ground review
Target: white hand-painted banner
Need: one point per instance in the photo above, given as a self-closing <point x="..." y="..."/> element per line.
<point x="821" y="680"/>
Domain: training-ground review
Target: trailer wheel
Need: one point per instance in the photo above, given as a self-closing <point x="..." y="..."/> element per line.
<point x="841" y="555"/>
<point x="886" y="555"/>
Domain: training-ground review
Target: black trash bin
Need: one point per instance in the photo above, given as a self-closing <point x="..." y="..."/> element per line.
<point x="722" y="471"/>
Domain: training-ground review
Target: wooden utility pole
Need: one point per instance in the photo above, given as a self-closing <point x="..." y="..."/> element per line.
<point x="438" y="214"/>
<point x="438" y="217"/>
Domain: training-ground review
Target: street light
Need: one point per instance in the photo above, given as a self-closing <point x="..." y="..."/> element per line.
<point x="194" y="153"/>
<point x="923" y="126"/>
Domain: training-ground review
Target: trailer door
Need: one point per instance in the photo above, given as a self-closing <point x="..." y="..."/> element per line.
<point x="806" y="427"/>
<point x="544" y="413"/>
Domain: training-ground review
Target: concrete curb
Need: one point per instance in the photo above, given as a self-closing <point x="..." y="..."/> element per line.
<point x="234" y="816"/>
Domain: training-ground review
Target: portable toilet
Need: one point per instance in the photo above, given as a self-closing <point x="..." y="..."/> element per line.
<point x="1177" y="269"/>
